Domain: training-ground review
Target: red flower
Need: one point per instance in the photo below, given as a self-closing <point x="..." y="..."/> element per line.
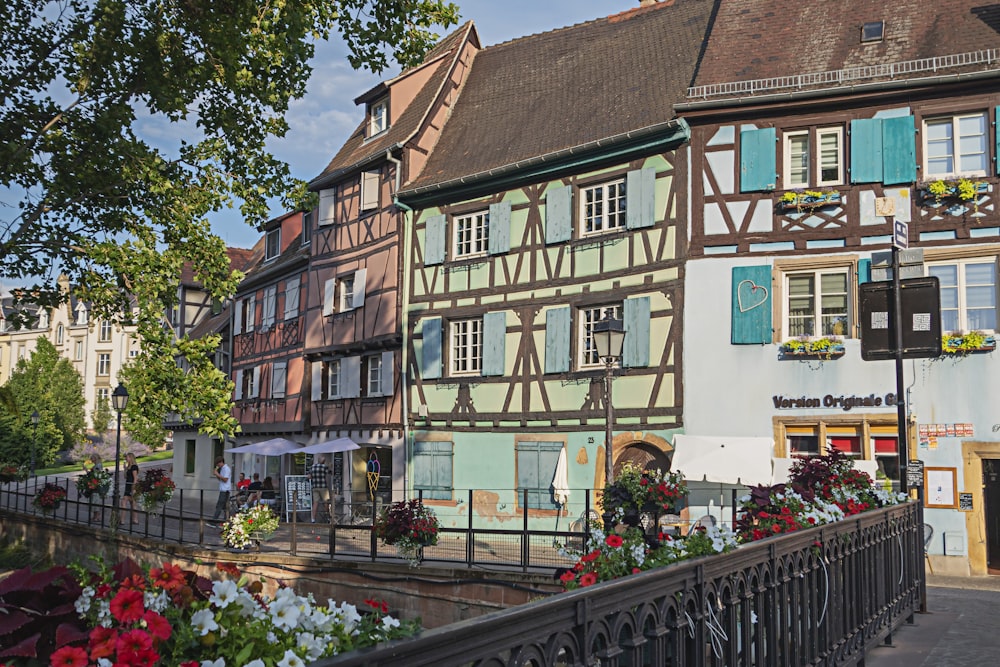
<point x="776" y="528"/>
<point x="135" y="647"/>
<point x="613" y="540"/>
<point x="69" y="656"/>
<point x="588" y="579"/>
<point x="228" y="568"/>
<point x="157" y="625"/>
<point x="127" y="607"/>
<point x="170" y="577"/>
<point x="592" y="556"/>
<point x="636" y="570"/>
<point x="102" y="642"/>
<point x="567" y="576"/>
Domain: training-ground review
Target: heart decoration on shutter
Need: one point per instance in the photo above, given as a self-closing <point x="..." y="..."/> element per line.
<point x="750" y="295"/>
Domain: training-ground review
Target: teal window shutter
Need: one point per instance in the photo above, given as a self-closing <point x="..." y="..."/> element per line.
<point x="640" y="198"/>
<point x="751" y="305"/>
<point x="899" y="150"/>
<point x="430" y="367"/>
<point x="635" y="313"/>
<point x="494" y="335"/>
<point x="499" y="228"/>
<point x="864" y="271"/>
<point x="996" y="151"/>
<point x="434" y="240"/>
<point x="557" y="327"/>
<point x="559" y="214"/>
<point x="758" y="160"/>
<point x="536" y="466"/>
<point x="432" y="469"/>
<point x="866" y="150"/>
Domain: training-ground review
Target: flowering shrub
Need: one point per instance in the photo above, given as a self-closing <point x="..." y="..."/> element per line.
<point x="154" y="488"/>
<point x="96" y="481"/>
<point x="407" y="524"/>
<point x="171" y="616"/>
<point x="11" y="472"/>
<point x="627" y="551"/>
<point x="821" y="490"/>
<point x="254" y="524"/>
<point x="49" y="497"/>
<point x="636" y="490"/>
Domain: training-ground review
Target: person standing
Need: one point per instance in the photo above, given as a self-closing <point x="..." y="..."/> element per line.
<point x="319" y="479"/>
<point x="131" y="477"/>
<point x="224" y="474"/>
<point x="95" y="459"/>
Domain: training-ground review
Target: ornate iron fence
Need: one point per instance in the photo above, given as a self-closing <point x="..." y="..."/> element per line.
<point x="822" y="596"/>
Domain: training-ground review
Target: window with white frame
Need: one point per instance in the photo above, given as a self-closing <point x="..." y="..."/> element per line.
<point x="956" y="146"/>
<point x="372" y="374"/>
<point x="60" y="334"/>
<point x="602" y="207"/>
<point x="103" y="394"/>
<point x="466" y="346"/>
<point x="105" y="334"/>
<point x="346" y="290"/>
<point x="817" y="303"/>
<point x="378" y="117"/>
<point x="814" y="158"/>
<point x="307" y="223"/>
<point x="333" y="389"/>
<point x="471" y="234"/>
<point x="968" y="294"/>
<point x="104" y="364"/>
<point x="588" y="317"/>
<point x="78" y="352"/>
<point x="272" y="244"/>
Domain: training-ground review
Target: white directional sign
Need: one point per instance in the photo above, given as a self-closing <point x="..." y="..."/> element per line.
<point x="901" y="234"/>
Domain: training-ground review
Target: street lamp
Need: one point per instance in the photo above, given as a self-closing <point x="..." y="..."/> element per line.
<point x="34" y="438"/>
<point x="609" y="337"/>
<point x="119" y="399"/>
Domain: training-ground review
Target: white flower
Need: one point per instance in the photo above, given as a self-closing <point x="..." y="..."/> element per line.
<point x="285" y="614"/>
<point x="246" y="603"/>
<point x="291" y="660"/>
<point x="388" y="623"/>
<point x="221" y="662"/>
<point x="156" y="601"/>
<point x="310" y="645"/>
<point x="255" y="663"/>
<point x="223" y="593"/>
<point x="104" y="662"/>
<point x="203" y="621"/>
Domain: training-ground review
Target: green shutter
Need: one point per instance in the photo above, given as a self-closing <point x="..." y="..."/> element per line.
<point x="899" y="150"/>
<point x="499" y="236"/>
<point x="635" y="313"/>
<point x="640" y="198"/>
<point x="432" y="469"/>
<point x="866" y="150"/>
<point x="557" y="327"/>
<point x="434" y="240"/>
<point x="536" y="466"/>
<point x="751" y="306"/>
<point x="430" y="368"/>
<point x="559" y="214"/>
<point x="758" y="160"/>
<point x="494" y="335"/>
<point x="864" y="271"/>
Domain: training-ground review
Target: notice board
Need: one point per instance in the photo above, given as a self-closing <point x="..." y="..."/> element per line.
<point x="298" y="490"/>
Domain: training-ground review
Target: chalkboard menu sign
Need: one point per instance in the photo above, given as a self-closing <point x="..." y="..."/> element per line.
<point x="965" y="502"/>
<point x="914" y="473"/>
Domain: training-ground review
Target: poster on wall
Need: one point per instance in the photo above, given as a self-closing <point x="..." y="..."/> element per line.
<point x="940" y="488"/>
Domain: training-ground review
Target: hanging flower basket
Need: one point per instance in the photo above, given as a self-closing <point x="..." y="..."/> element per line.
<point x="49" y="497"/>
<point x="808" y="200"/>
<point x="963" y="344"/>
<point x="154" y="490"/>
<point x="806" y="348"/>
<point x="251" y="527"/>
<point x="94" y="482"/>
<point x="409" y="526"/>
<point x="11" y="472"/>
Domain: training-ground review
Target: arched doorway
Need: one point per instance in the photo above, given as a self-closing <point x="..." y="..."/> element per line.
<point x="643" y="455"/>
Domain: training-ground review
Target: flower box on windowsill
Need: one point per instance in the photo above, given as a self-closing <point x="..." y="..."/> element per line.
<point x="955" y="345"/>
<point x="821" y="348"/>
<point x="936" y="193"/>
<point x="807" y="201"/>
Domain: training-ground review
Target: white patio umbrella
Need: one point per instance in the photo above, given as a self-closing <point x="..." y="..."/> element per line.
<point x="330" y="447"/>
<point x="272" y="447"/>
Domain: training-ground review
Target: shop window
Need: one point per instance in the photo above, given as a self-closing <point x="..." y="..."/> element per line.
<point x="968" y="294"/>
<point x="866" y="438"/>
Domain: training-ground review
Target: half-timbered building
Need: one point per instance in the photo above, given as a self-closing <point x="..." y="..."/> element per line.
<point x="556" y="193"/>
<point x="817" y="129"/>
<point x="353" y="303"/>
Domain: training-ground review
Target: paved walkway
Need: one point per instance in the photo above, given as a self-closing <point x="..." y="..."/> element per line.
<point x="960" y="629"/>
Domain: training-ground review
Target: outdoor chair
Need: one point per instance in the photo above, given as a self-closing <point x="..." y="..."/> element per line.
<point x="928" y="534"/>
<point x="706" y="521"/>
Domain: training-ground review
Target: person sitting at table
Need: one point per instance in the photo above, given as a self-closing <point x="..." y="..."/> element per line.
<point x="254" y="490"/>
<point x="268" y="496"/>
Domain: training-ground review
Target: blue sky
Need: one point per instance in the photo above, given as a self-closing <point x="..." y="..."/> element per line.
<point x="322" y="120"/>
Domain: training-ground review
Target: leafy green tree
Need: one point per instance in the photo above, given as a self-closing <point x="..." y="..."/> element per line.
<point x="84" y="192"/>
<point x="100" y="417"/>
<point x="47" y="383"/>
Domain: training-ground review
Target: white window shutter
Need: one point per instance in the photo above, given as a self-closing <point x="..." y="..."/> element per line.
<point x="350" y="377"/>
<point x="251" y="312"/>
<point x="317" y="380"/>
<point x="238" y="317"/>
<point x="329" y="296"/>
<point x="270" y="300"/>
<point x="388" y="374"/>
<point x="327" y="207"/>
<point x="255" y="383"/>
<point x="278" y="374"/>
<point x="360" y="276"/>
<point x="292" y="298"/>
<point x="369" y="190"/>
<point x="239" y="385"/>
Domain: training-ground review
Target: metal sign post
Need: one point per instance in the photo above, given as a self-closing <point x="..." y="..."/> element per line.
<point x="897" y="317"/>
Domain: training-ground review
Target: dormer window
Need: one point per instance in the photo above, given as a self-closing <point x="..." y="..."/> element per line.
<point x="272" y="244"/>
<point x="378" y="117"/>
<point x="872" y="31"/>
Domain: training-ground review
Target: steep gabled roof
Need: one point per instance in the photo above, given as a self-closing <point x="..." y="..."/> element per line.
<point x="564" y="88"/>
<point x="240" y="259"/>
<point x="356" y="151"/>
<point x="761" y="40"/>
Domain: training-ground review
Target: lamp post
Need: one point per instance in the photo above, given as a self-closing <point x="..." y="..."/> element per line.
<point x="609" y="337"/>
<point x="119" y="399"/>
<point x="35" y="417"/>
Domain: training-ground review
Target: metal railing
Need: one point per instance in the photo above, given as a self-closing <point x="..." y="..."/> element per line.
<point x="821" y="596"/>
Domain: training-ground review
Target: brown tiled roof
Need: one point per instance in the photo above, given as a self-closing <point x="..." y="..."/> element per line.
<point x="560" y="89"/>
<point x="240" y="259"/>
<point x="763" y="39"/>
<point x="356" y="150"/>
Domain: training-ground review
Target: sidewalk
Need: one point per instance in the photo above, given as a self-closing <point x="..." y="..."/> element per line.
<point x="960" y="628"/>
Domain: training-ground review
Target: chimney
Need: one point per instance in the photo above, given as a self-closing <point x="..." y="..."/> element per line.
<point x="647" y="3"/>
